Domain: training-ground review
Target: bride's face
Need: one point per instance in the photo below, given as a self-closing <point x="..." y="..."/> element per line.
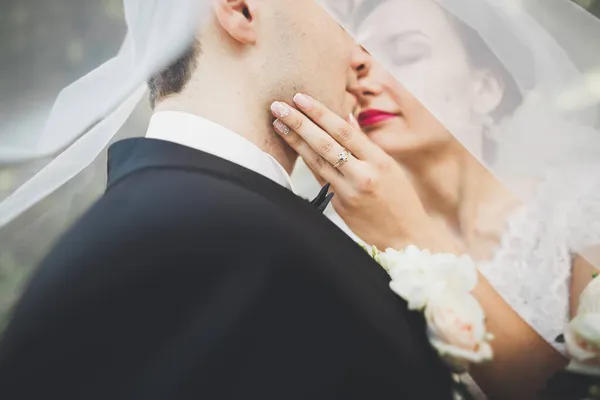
<point x="426" y="54"/>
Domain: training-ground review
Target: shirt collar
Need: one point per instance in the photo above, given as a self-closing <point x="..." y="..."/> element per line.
<point x="207" y="136"/>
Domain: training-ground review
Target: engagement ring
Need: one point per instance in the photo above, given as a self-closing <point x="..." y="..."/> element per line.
<point x="342" y="158"/>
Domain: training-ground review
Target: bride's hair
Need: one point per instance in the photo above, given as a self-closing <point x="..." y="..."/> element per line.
<point x="173" y="79"/>
<point x="481" y="57"/>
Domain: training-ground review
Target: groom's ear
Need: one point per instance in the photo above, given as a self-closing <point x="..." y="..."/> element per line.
<point x="236" y="17"/>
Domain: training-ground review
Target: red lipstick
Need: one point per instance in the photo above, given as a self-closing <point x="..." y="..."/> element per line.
<point x="372" y="117"/>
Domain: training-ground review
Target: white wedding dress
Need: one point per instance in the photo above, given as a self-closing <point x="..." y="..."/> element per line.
<point x="532" y="266"/>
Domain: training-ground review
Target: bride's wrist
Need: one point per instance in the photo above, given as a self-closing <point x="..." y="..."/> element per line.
<point x="429" y="235"/>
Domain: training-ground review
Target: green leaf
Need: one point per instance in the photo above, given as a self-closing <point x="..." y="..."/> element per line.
<point x="374" y="252"/>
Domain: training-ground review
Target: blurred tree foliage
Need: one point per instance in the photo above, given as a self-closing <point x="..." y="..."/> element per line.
<point x="45" y="45"/>
<point x="592" y="6"/>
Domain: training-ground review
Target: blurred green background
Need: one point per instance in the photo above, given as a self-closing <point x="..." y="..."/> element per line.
<point x="44" y="46"/>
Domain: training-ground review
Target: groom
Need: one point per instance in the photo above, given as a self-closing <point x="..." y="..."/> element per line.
<point x="199" y="274"/>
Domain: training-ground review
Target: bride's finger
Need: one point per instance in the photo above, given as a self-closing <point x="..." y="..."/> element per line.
<point x="317" y="164"/>
<point x="353" y="122"/>
<point x="319" y="140"/>
<point x="342" y="131"/>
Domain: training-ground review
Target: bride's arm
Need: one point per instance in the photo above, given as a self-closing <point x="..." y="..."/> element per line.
<point x="376" y="199"/>
<point x="523" y="361"/>
<point x="583" y="272"/>
<point x="522" y="357"/>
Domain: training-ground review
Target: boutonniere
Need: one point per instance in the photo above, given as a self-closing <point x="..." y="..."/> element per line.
<point x="440" y="285"/>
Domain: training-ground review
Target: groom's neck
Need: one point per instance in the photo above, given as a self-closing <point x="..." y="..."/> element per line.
<point x="236" y="106"/>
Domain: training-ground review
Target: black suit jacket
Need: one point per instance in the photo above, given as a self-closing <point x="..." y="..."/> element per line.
<point x="194" y="278"/>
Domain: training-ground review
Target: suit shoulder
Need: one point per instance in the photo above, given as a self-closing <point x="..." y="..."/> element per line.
<point x="161" y="207"/>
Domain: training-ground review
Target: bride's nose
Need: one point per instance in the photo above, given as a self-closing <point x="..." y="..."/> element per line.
<point x="361" y="62"/>
<point x="365" y="86"/>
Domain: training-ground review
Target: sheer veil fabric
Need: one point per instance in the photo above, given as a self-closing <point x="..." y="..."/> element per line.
<point x="55" y="174"/>
<point x="547" y="135"/>
<point x="544" y="146"/>
<point x="158" y="32"/>
<point x="541" y="143"/>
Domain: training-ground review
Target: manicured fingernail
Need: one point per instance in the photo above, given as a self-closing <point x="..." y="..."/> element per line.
<point x="281" y="128"/>
<point x="353" y="122"/>
<point x="280" y="110"/>
<point x="303" y="101"/>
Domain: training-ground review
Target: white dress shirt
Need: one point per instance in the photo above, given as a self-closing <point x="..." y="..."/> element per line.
<point x="207" y="136"/>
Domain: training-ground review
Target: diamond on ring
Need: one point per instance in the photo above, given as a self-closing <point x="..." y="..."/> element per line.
<point x="342" y="158"/>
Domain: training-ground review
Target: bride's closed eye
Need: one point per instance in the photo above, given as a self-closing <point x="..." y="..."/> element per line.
<point x="406" y="49"/>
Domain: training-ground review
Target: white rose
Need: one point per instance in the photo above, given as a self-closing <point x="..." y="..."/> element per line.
<point x="582" y="340"/>
<point x="456" y="328"/>
<point x="417" y="275"/>
<point x="411" y="257"/>
<point x="412" y="280"/>
<point x="416" y="290"/>
<point x="459" y="273"/>
<point x="589" y="301"/>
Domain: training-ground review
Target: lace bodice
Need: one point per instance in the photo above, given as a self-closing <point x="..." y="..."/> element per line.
<point x="532" y="268"/>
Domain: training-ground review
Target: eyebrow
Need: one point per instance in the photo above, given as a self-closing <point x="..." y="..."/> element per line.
<point x="364" y="9"/>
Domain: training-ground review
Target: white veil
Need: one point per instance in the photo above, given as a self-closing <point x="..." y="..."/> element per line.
<point x="547" y="50"/>
<point x="546" y="47"/>
<point x="99" y="103"/>
<point x="541" y="141"/>
<point x="85" y="118"/>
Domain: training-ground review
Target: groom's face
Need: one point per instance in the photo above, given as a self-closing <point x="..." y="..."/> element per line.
<point x="305" y="50"/>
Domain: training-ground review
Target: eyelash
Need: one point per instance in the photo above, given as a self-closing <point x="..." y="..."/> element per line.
<point x="411" y="58"/>
<point x="399" y="60"/>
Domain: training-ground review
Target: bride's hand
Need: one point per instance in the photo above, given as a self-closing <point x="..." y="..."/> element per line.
<point x="372" y="191"/>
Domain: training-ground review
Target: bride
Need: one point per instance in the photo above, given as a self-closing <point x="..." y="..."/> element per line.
<point x="452" y="110"/>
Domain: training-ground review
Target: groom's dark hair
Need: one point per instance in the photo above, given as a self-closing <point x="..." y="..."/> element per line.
<point x="173" y="79"/>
